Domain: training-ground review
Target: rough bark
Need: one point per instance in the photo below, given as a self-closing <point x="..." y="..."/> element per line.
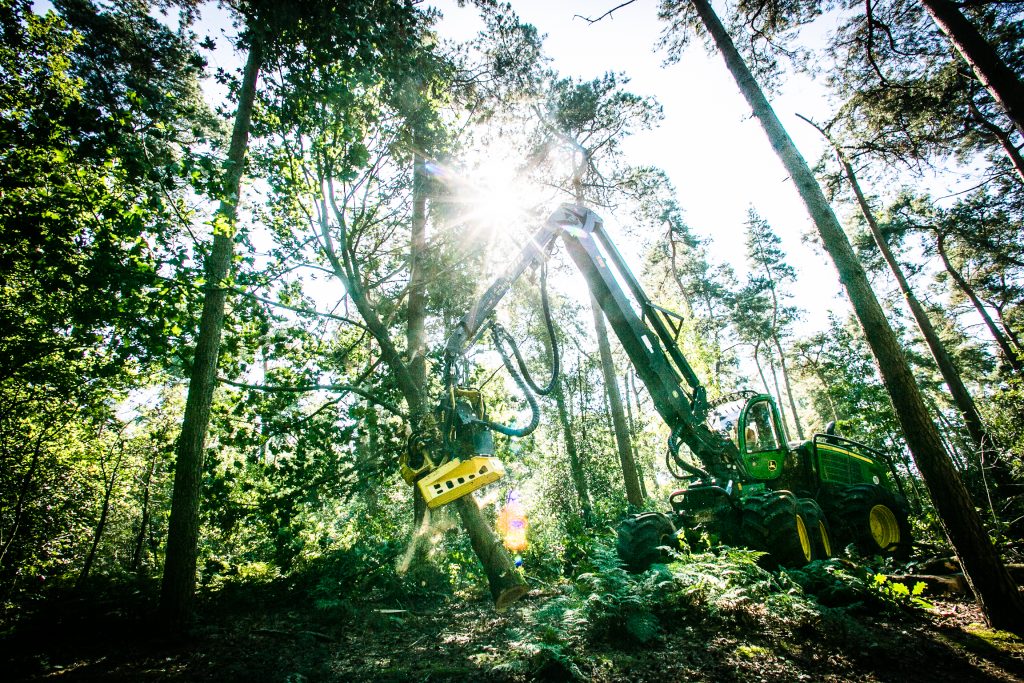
<point x="179" y="580"/>
<point x="1004" y="345"/>
<point x="998" y="78"/>
<point x="996" y="592"/>
<point x="634" y="496"/>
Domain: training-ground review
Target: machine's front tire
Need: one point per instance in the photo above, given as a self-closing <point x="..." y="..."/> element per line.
<point x="817" y="527"/>
<point x="772" y="522"/>
<point x="643" y="540"/>
<point x="873" y="519"/>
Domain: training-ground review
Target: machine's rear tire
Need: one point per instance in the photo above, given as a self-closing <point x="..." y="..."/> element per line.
<point x="772" y="522"/>
<point x="643" y="539"/>
<point x="817" y="527"/>
<point x="873" y="519"/>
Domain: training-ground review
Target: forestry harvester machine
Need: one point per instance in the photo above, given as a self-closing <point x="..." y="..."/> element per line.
<point x="743" y="483"/>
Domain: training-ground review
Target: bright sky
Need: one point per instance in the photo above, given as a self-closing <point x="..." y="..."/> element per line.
<point x="715" y="153"/>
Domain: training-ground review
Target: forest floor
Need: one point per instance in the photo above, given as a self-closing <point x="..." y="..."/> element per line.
<point x="256" y="634"/>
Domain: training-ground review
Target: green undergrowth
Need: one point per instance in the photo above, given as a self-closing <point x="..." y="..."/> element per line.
<point x="618" y="611"/>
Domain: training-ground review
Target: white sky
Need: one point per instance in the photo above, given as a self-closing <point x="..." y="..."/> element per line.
<point x="716" y="155"/>
<point x="712" y="149"/>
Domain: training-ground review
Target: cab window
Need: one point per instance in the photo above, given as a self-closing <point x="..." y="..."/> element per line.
<point x="759" y="433"/>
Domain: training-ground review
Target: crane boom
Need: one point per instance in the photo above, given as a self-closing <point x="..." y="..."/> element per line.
<point x="648" y="333"/>
<point x="754" y="489"/>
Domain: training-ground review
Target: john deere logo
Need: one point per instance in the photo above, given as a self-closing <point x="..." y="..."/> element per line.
<point x="772" y="466"/>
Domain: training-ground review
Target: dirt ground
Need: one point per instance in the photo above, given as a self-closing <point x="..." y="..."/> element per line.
<point x="273" y="638"/>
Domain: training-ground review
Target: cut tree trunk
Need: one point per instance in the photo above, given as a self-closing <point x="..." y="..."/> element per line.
<point x="506" y="583"/>
<point x="179" y="580"/>
<point x="996" y="592"/>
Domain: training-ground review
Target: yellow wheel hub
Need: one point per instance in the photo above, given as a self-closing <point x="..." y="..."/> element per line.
<point x="826" y="542"/>
<point x="885" y="530"/>
<point x="805" y="538"/>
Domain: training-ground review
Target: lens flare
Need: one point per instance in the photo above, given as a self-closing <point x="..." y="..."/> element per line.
<point x="512" y="523"/>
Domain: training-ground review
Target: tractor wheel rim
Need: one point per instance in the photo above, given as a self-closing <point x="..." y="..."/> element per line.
<point x="885" y="530"/>
<point x="826" y="542"/>
<point x="805" y="538"/>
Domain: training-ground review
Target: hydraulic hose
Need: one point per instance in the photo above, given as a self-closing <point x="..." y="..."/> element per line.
<point x="496" y="336"/>
<point x="550" y="328"/>
<point x="672" y="458"/>
<point x="521" y="377"/>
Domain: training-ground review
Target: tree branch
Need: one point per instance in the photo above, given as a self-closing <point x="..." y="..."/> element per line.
<point x="303" y="388"/>
<point x="606" y="14"/>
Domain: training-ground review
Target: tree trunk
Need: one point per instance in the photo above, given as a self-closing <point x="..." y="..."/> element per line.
<point x="1008" y="331"/>
<point x="22" y="500"/>
<point x="179" y="580"/>
<point x="996" y="591"/>
<point x="633" y="431"/>
<point x="579" y="476"/>
<point x="687" y="308"/>
<point x="101" y="525"/>
<point x="950" y="374"/>
<point x="1004" y="345"/>
<point x="778" y="397"/>
<point x="506" y="583"/>
<point x="144" y="515"/>
<point x="576" y="470"/>
<point x="1003" y="137"/>
<point x="999" y="79"/>
<point x="760" y="370"/>
<point x="789" y="389"/>
<point x="634" y="496"/>
<point x="417" y="310"/>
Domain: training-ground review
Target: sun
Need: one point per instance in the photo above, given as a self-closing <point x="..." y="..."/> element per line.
<point x="494" y="192"/>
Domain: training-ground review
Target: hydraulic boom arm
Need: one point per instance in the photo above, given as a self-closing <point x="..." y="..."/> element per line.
<point x="647" y="332"/>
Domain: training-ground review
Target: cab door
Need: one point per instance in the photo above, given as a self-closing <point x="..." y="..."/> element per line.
<point x="761" y="440"/>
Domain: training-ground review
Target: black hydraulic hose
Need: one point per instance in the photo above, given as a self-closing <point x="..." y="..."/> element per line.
<point x="496" y="333"/>
<point x="674" y="442"/>
<point x="522" y="377"/>
<point x="524" y="371"/>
